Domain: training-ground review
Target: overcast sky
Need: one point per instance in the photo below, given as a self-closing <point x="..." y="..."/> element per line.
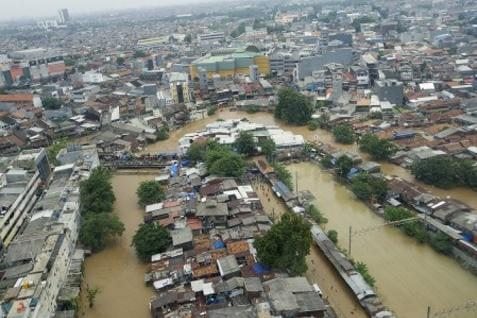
<point x="15" y="9"/>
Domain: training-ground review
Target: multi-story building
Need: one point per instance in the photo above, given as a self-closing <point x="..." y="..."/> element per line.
<point x="19" y="184"/>
<point x="179" y="87"/>
<point x="38" y="260"/>
<point x="36" y="64"/>
<point x="211" y="37"/>
<point x="230" y="62"/>
<point x="390" y="90"/>
<point x="283" y="62"/>
<point x="64" y="16"/>
<point x="308" y="65"/>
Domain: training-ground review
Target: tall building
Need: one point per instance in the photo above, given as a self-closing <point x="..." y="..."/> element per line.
<point x="390" y="90"/>
<point x="230" y="62"/>
<point x="179" y="87"/>
<point x="254" y="73"/>
<point x="18" y="190"/>
<point x="64" y="16"/>
<point x="203" y="81"/>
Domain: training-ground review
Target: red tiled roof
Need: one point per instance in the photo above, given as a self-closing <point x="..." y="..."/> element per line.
<point x="16" y="98"/>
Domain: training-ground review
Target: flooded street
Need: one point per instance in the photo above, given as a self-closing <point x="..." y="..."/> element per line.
<point x="409" y="276"/>
<point x="320" y="270"/>
<point x="116" y="270"/>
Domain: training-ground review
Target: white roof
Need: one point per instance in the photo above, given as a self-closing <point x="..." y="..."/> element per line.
<point x="158" y="284"/>
<point x="154" y="207"/>
<point x="197" y="285"/>
<point x="426" y="86"/>
<point x="208" y="289"/>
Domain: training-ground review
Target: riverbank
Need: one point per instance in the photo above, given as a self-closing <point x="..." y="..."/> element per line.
<point x="409" y="276"/>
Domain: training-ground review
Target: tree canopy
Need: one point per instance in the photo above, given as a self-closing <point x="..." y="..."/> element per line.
<point x="150" y="239"/>
<point x="268" y="148"/>
<point x="229" y="164"/>
<point x="344" y="134"/>
<point x="293" y="107"/>
<point x="368" y="187"/>
<point x="379" y="149"/>
<point x="283" y="174"/>
<point x="50" y="102"/>
<point x="54" y="149"/>
<point x="98" y="228"/>
<point x="286" y="245"/>
<point x="446" y="172"/>
<point x="98" y="224"/>
<point x="245" y="144"/>
<point x="150" y="192"/>
<point x="343" y="165"/>
<point x="120" y="60"/>
<point x="139" y="53"/>
<point x="96" y="193"/>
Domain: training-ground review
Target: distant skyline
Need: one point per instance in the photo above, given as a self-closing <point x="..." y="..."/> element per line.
<point x="18" y="9"/>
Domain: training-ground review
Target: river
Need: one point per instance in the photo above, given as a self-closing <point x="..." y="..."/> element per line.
<point x="409" y="276"/>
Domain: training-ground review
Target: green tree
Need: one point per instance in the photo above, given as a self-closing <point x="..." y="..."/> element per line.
<point x="313" y="125"/>
<point x="368" y="187"/>
<point x="96" y="192"/>
<point x="362" y="268"/>
<point x="98" y="228"/>
<point x="333" y="236"/>
<point x="197" y="151"/>
<point x="228" y="165"/>
<point x="268" y="148"/>
<point x="379" y="149"/>
<point x="283" y="174"/>
<point x="238" y="31"/>
<point x="245" y="144"/>
<point x="343" y="165"/>
<point x="211" y="110"/>
<point x="327" y="162"/>
<point x="315" y="214"/>
<point x="120" y="60"/>
<point x="163" y="133"/>
<point x="324" y="121"/>
<point x="188" y="38"/>
<point x="357" y="22"/>
<point x="139" y="53"/>
<point x="439" y="171"/>
<point x="286" y="245"/>
<point x="441" y="243"/>
<point x="150" y="192"/>
<point x="91" y="294"/>
<point x="50" y="102"/>
<point x="150" y="239"/>
<point x="293" y="107"/>
<point x="54" y="149"/>
<point x="344" y="134"/>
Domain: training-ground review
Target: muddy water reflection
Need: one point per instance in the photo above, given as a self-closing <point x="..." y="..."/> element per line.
<point x="410" y="276"/>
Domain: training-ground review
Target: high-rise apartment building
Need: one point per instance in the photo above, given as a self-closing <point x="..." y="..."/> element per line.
<point x="64" y="16"/>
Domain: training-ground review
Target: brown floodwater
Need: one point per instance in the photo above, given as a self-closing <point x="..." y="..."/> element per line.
<point x="409" y="276"/>
<point x="116" y="271"/>
<point x="320" y="270"/>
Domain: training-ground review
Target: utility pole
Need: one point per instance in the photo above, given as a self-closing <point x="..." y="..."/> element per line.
<point x="296" y="181"/>
<point x="349" y="240"/>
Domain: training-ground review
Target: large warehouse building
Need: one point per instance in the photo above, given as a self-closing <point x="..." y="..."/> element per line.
<point x="230" y="62"/>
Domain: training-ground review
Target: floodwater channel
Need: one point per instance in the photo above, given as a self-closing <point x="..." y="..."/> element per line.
<point x="409" y="276"/>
